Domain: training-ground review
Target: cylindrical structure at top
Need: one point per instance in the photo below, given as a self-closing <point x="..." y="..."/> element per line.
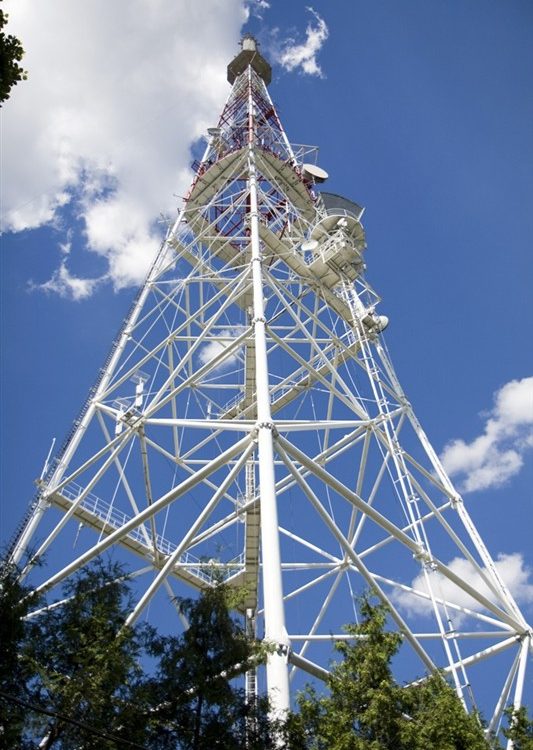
<point x="249" y="55"/>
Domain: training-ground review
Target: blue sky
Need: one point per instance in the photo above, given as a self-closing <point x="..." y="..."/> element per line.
<point x="422" y="112"/>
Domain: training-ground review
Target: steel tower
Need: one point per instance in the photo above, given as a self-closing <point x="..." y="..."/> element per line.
<point x="248" y="425"/>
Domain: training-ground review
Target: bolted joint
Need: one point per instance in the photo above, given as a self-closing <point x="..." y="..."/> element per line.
<point x="455" y="501"/>
<point x="423" y="557"/>
<point x="259" y="319"/>
<point x="265" y="425"/>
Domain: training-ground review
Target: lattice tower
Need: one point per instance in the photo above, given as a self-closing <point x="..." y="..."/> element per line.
<point x="248" y="425"/>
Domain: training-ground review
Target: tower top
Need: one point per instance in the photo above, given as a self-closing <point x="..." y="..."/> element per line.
<point x="249" y="55"/>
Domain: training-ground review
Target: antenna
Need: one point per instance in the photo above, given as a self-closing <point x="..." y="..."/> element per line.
<point x="47" y="461"/>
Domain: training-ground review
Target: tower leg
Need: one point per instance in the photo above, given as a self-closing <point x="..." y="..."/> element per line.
<point x="275" y="631"/>
<point x="22" y="543"/>
<point x="520" y="679"/>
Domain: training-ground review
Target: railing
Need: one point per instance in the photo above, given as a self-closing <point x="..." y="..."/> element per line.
<point x="336" y="205"/>
<point x="115" y="519"/>
<point x="56" y="460"/>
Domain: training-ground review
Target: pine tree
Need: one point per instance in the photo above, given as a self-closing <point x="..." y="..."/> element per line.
<point x="438" y="720"/>
<point x="84" y="662"/>
<point x="199" y="705"/>
<point x="14" y="673"/>
<point x="74" y="677"/>
<point x="365" y="709"/>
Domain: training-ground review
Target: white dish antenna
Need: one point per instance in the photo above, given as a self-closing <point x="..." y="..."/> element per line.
<point x="309" y="245"/>
<point x="382" y="323"/>
<point x="317" y="174"/>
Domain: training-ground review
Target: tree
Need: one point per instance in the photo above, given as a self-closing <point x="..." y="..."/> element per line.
<point x="84" y="663"/>
<point x="363" y="704"/>
<point x="11" y="53"/>
<point x="84" y="680"/>
<point x="520" y="729"/>
<point x="14" y="605"/>
<point x="208" y="709"/>
<point x="438" y="720"/>
<point x="367" y="710"/>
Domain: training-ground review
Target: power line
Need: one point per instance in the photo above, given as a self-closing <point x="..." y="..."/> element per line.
<point x="79" y="724"/>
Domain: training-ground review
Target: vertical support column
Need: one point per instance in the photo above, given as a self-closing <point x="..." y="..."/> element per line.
<point x="275" y="631"/>
<point x="520" y="679"/>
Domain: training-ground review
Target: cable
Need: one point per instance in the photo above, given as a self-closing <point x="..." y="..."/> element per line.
<point x="79" y="724"/>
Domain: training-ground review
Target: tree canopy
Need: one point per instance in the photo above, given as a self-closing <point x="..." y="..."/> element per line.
<point x="11" y="53"/>
<point x="520" y="729"/>
<point x="74" y="677"/>
<point x="366" y="709"/>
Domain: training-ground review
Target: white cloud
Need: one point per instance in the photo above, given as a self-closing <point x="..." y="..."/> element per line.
<point x="116" y="93"/>
<point x="256" y="7"/>
<point x="497" y="454"/>
<point x="511" y="568"/>
<point x="213" y="348"/>
<point x="293" y="55"/>
<point x="514" y="404"/>
<point x="68" y="286"/>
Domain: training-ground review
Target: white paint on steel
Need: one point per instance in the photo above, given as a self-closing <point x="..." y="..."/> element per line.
<point x="266" y="387"/>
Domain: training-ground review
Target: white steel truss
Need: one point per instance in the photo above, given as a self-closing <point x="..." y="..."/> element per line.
<point x="248" y="425"/>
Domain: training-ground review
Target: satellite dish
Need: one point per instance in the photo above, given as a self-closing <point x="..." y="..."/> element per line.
<point x="312" y="172"/>
<point x="383" y="322"/>
<point x="213" y="132"/>
<point x="309" y="245"/>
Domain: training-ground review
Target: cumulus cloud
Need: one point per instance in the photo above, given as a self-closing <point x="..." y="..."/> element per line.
<point x="293" y="55"/>
<point x="497" y="454"/>
<point x="511" y="568"/>
<point x="116" y="94"/>
<point x="257" y="7"/>
<point x="213" y="348"/>
<point x="68" y="286"/>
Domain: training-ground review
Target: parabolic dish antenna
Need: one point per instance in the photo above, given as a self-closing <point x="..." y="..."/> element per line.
<point x="311" y="171"/>
<point x="309" y="245"/>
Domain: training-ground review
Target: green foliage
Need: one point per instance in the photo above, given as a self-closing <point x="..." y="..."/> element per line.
<point x="363" y="708"/>
<point x="438" y="719"/>
<point x="11" y="53"/>
<point x="208" y="710"/>
<point x="367" y="710"/>
<point x="75" y="678"/>
<point x="86" y="681"/>
<point x="83" y="662"/>
<point x="14" y="605"/>
<point x="520" y="729"/>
